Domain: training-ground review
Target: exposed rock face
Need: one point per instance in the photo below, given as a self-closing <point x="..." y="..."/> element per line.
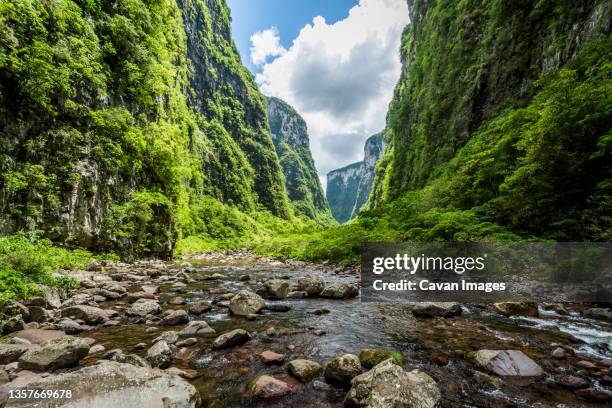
<point x="111" y="384"/>
<point x="290" y="138"/>
<point x="390" y="386"/>
<point x="55" y="354"/>
<point x="508" y="363"/>
<point x="348" y="188"/>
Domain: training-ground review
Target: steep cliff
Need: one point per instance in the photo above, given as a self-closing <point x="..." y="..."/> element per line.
<point x="501" y="117"/>
<point x="348" y="188"/>
<point x="291" y="142"/>
<point x="118" y="116"/>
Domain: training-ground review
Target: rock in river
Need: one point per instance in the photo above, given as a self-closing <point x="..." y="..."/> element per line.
<point x="508" y="363"/>
<point x="174" y="317"/>
<point x="371" y="357"/>
<point x="246" y="303"/>
<point x="341" y="370"/>
<point x="276" y="288"/>
<point x="529" y="309"/>
<point x="436" y="309"/>
<point x="389" y="386"/>
<point x="196" y="328"/>
<point x="55" y="354"/>
<point x="111" y="384"/>
<point x="305" y="370"/>
<point x="230" y="339"/>
<point x="269" y="387"/>
<point x="159" y="355"/>
<point x="89" y="314"/>
<point x="144" y="308"/>
<point x="313" y="285"/>
<point x="340" y="290"/>
<point x="11" y="352"/>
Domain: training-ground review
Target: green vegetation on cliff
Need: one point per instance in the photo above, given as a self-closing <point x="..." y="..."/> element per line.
<point x="119" y="117"/>
<point x="292" y="144"/>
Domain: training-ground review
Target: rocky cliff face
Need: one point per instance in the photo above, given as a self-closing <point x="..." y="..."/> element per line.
<point x="291" y="142"/>
<point x="348" y="188"/>
<point x="118" y="115"/>
<point x="499" y="112"/>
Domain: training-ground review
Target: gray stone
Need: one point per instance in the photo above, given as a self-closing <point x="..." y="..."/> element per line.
<point x="159" y="355"/>
<point x="246" y="303"/>
<point x="230" y="339"/>
<point x="89" y="314"/>
<point x="199" y="307"/>
<point x="389" y="386"/>
<point x="305" y="370"/>
<point x="196" y="328"/>
<point x="508" y="363"/>
<point x="436" y="309"/>
<point x="174" y="317"/>
<point x="276" y="288"/>
<point x="11" y="352"/>
<point x="144" y="308"/>
<point x="341" y="370"/>
<point x="55" y="354"/>
<point x="340" y="290"/>
<point x="313" y="285"/>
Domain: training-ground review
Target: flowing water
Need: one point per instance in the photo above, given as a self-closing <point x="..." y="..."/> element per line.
<point x="439" y="347"/>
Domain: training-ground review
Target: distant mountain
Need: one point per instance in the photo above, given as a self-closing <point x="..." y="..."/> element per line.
<point x="290" y="138"/>
<point x="348" y="188"/>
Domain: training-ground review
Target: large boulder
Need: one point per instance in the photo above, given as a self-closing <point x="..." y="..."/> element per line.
<point x="55" y="354"/>
<point x="230" y="339"/>
<point x="199" y="307"/>
<point x="143" y="308"/>
<point x="36" y="336"/>
<point x="371" y="357"/>
<point x="340" y="290"/>
<point x="267" y="387"/>
<point x="11" y="352"/>
<point x="111" y="384"/>
<point x="245" y="303"/>
<point x="305" y="370"/>
<point x="313" y="285"/>
<point x="529" y="309"/>
<point x="598" y="313"/>
<point x="38" y="314"/>
<point x="436" y="309"/>
<point x="341" y="370"/>
<point x="196" y="328"/>
<point x="387" y="385"/>
<point x="508" y="363"/>
<point x="89" y="314"/>
<point x="276" y="288"/>
<point x="159" y="355"/>
<point x="174" y="317"/>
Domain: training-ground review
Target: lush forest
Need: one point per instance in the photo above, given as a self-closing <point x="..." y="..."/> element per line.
<point x="131" y="127"/>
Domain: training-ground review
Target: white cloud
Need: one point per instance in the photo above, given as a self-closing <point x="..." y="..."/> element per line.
<point x="265" y="44"/>
<point x="340" y="77"/>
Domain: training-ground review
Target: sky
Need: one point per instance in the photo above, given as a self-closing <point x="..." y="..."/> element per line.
<point x="335" y="61"/>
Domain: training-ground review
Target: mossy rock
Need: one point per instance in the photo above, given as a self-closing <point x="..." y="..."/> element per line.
<point x="371" y="357"/>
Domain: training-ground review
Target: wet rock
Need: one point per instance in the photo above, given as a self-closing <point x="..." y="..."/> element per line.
<point x="217" y="276"/>
<point x="585" y="364"/>
<point x="313" y="285"/>
<point x="177" y="301"/>
<point x="152" y="289"/>
<point x="184" y="373"/>
<point x="159" y="355"/>
<point x="371" y="357"/>
<point x="196" y="328"/>
<point x="36" y="336"/>
<point x="278" y="307"/>
<point x="598" y="313"/>
<point x="199" y="307"/>
<point x="233" y="338"/>
<point x="508" y="363"/>
<point x="321" y="386"/>
<point x="305" y="370"/>
<point x="244" y="278"/>
<point x="144" y="308"/>
<point x="55" y="354"/>
<point x="341" y="370"/>
<point x="390" y="386"/>
<point x="320" y="312"/>
<point x="517" y="308"/>
<point x="169" y="337"/>
<point x="132" y="359"/>
<point x="340" y="290"/>
<point x="276" y="288"/>
<point x="246" y="303"/>
<point x="296" y="295"/>
<point x="174" y="317"/>
<point x="573" y="382"/>
<point x="111" y="384"/>
<point x="4" y="377"/>
<point x="78" y="299"/>
<point x="191" y="341"/>
<point x="319" y="332"/>
<point x="89" y="314"/>
<point x="11" y="352"/>
<point x="436" y="309"/>
<point x="559" y="352"/>
<point x="98" y="348"/>
<point x="38" y="314"/>
<point x="594" y="395"/>
<point x="267" y="387"/>
<point x="13" y="324"/>
<point x="270" y="357"/>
